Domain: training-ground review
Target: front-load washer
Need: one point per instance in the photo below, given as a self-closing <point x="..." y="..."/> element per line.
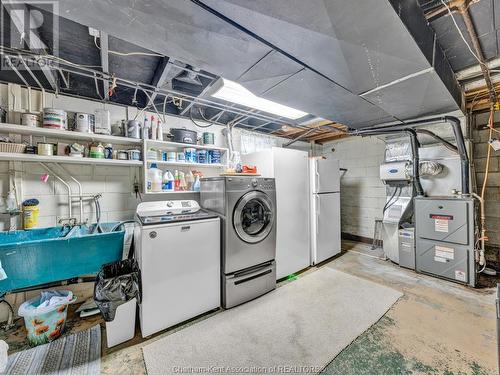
<point x="247" y="207"/>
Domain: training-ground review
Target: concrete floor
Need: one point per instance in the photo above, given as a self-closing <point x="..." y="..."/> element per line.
<point x="437" y="327"/>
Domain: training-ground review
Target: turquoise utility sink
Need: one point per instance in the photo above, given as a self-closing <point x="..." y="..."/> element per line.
<point x="40" y="256"/>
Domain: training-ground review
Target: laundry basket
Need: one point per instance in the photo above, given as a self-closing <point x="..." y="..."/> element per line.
<point x="45" y="324"/>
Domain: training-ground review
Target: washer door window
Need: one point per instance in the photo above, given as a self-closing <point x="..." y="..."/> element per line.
<point x="253" y="217"/>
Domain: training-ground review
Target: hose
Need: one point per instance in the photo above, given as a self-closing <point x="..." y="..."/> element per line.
<point x="388" y="203"/>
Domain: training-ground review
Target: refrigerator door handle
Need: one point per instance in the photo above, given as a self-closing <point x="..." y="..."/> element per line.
<point x="316" y="199"/>
<point x="316" y="165"/>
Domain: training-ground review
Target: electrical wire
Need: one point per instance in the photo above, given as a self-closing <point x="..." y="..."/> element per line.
<point x="461" y="34"/>
<point x="203" y="117"/>
<point x="128" y="53"/>
<point x="390" y="199"/>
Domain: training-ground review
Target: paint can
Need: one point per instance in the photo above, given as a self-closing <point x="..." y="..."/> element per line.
<point x="84" y="122"/>
<point x="190" y="155"/>
<point x="55" y="118"/>
<point x="122" y="155"/>
<point x="180" y="157"/>
<point x="208" y="138"/>
<point x="171" y="156"/>
<point x="134" y="155"/>
<point x="133" y="129"/>
<point x="202" y="156"/>
<point x="30" y="213"/>
<point x="45" y="149"/>
<point x="30" y="119"/>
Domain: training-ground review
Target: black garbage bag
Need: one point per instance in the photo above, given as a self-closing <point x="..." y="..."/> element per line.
<point x="116" y="283"/>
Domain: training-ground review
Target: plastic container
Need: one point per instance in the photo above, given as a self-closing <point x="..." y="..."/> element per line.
<point x="168" y="181"/>
<point x="55" y="118"/>
<point x="30" y="213"/>
<point x="122" y="328"/>
<point x="102" y="124"/>
<point x="44" y="324"/>
<point x="155" y="178"/>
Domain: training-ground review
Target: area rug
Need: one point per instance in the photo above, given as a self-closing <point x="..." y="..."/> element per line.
<point x="78" y="353"/>
<point x="298" y="328"/>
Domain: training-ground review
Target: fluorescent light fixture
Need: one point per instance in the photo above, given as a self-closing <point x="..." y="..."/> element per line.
<point x="235" y="93"/>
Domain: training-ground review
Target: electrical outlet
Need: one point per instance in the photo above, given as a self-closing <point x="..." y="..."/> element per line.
<point x="94" y="32"/>
<point x="495" y="143"/>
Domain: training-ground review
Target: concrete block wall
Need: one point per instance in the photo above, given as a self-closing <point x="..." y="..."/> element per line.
<point x="492" y="194"/>
<point x="361" y="191"/>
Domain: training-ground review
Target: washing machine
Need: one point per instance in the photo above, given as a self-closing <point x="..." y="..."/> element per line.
<point x="247" y="208"/>
<point x="178" y="250"/>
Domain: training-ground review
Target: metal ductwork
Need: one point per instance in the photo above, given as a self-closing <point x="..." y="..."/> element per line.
<point x="354" y="62"/>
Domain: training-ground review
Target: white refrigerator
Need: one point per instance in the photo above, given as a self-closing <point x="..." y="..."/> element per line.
<point x="325" y="209"/>
<point x="289" y="168"/>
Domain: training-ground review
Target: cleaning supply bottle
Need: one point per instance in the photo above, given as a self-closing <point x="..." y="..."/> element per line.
<point x="177" y="181"/>
<point x="154" y="179"/>
<point x="196" y="185"/>
<point x="154" y="128"/>
<point x="145" y="129"/>
<point x="11" y="202"/>
<point x="160" y="131"/>
<point x="168" y="181"/>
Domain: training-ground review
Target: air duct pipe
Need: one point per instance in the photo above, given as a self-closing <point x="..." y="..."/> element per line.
<point x="457" y="131"/>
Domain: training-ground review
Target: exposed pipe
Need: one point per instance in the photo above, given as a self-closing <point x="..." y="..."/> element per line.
<point x="63" y="182"/>
<point x="80" y="190"/>
<point x="445" y="143"/>
<point x="415" y="144"/>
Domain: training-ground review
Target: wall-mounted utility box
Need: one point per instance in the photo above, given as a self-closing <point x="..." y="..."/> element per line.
<point x="445" y="238"/>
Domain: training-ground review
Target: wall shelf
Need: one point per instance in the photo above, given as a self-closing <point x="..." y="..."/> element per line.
<point x="166" y="145"/>
<point x="171" y="192"/>
<point x="184" y="164"/>
<point x="67" y="134"/>
<point x="7" y="156"/>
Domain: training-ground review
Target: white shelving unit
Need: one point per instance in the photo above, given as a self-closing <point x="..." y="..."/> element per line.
<point x="7" y="156"/>
<point x="209" y="170"/>
<point x="67" y="134"/>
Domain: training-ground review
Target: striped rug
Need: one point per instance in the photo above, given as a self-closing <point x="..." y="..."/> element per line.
<point x="79" y="353"/>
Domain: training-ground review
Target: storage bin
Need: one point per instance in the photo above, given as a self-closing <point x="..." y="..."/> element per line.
<point x="122" y="328"/>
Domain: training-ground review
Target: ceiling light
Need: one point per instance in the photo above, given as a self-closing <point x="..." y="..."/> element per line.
<point x="235" y="93"/>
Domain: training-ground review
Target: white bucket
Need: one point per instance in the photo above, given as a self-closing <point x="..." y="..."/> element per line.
<point x="30" y="119"/>
<point x="84" y="122"/>
<point x="122" y="328"/>
<point x="55" y="118"/>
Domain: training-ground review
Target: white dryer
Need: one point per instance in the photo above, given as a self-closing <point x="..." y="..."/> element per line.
<point x="178" y="251"/>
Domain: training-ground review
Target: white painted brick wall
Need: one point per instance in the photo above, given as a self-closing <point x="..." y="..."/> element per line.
<point x="362" y="192"/>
